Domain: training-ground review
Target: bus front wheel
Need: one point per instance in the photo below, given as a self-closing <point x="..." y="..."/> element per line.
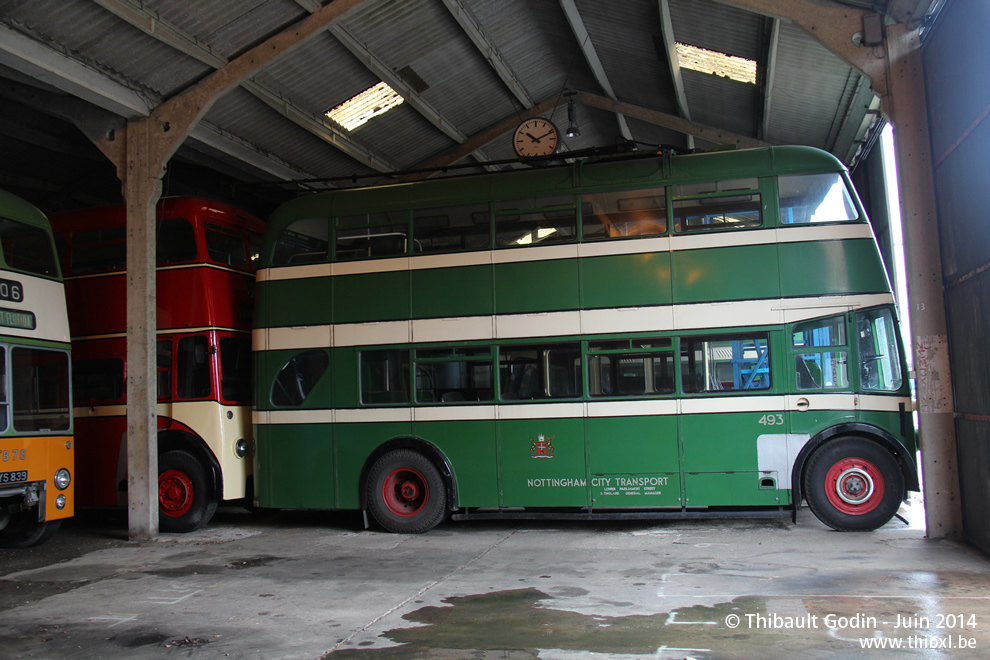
<point x="185" y="500"/>
<point x="25" y="530"/>
<point x="406" y="493"/>
<point x="853" y="484"/>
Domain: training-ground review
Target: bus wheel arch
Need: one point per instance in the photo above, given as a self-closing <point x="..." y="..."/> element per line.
<point x="23" y="530"/>
<point x="853" y="482"/>
<point x="905" y="460"/>
<point x="428" y="449"/>
<point x="407" y="487"/>
<point x="189" y="482"/>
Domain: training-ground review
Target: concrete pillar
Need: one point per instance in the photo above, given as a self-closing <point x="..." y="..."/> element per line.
<point x="142" y="189"/>
<point x="140" y="156"/>
<point x="916" y="185"/>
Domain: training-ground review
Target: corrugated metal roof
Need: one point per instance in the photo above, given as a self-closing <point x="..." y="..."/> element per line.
<point x="459" y="91"/>
<point x="811" y="91"/>
<point x="629" y="41"/>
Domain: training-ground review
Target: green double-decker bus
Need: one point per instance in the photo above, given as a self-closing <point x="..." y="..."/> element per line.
<point x="657" y="336"/>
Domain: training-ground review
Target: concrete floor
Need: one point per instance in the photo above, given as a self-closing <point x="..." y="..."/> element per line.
<point x="303" y="585"/>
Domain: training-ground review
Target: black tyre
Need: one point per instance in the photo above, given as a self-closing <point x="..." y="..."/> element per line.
<point x="853" y="484"/>
<point x="24" y="530"/>
<point x="406" y="493"/>
<point x="185" y="493"/>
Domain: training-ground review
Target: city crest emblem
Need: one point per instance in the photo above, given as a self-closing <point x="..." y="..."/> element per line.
<point x="541" y="447"/>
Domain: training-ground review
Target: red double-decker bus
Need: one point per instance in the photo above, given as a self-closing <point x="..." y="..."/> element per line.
<point x="206" y="254"/>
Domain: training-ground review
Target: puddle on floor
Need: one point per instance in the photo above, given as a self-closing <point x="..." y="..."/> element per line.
<point x="522" y="623"/>
<point x="513" y="621"/>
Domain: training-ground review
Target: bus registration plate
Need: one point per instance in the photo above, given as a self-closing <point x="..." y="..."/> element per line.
<point x="13" y="477"/>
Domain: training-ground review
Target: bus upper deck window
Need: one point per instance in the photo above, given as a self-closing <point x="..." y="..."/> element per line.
<point x="625" y="213"/>
<point x="176" y="241"/>
<point x="226" y="246"/>
<point x="537" y="220"/>
<point x="304" y="241"/>
<point x="451" y="228"/>
<point x="97" y="250"/>
<point x="808" y="198"/>
<point x="708" y="206"/>
<point x="371" y="235"/>
<point x="27" y="248"/>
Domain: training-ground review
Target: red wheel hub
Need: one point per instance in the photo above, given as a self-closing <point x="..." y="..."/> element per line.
<point x="175" y="493"/>
<point x="405" y="492"/>
<point x="854" y="486"/>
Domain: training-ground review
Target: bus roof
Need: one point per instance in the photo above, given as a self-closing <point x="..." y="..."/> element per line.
<point x="116" y="215"/>
<point x="16" y="208"/>
<point x="598" y="173"/>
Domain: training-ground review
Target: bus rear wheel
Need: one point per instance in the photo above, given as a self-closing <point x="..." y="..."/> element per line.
<point x="185" y="500"/>
<point x="406" y="493"/>
<point x="25" y="530"/>
<point x="853" y="484"/>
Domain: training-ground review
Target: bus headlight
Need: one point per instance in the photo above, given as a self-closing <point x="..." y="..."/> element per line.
<point x="60" y="501"/>
<point x="241" y="448"/>
<point x="62" y="479"/>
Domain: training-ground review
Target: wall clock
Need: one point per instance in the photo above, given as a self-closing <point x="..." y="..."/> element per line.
<point x="535" y="137"/>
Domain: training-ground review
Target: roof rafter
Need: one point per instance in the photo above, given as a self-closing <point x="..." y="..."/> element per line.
<point x="716" y="135"/>
<point x="151" y="24"/>
<point x="834" y="27"/>
<point x="488" y="49"/>
<point x="62" y="72"/>
<point x="768" y="77"/>
<point x="591" y="56"/>
<point x="667" y="26"/>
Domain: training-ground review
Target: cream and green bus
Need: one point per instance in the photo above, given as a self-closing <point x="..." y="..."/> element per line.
<point x="661" y="336"/>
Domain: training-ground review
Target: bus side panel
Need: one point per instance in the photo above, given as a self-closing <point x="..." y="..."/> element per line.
<point x="542" y="462"/>
<point x="82" y="295"/>
<point x="354" y="444"/>
<point x="634" y="461"/>
<point x="625" y="281"/>
<point x="811" y="422"/>
<point x="536" y="286"/>
<point x="891" y="422"/>
<point x="452" y="292"/>
<point x="294" y="466"/>
<point x="209" y="295"/>
<point x="728" y="273"/>
<point x="370" y="297"/>
<point x="99" y="453"/>
<point x="470" y="448"/>
<point x="831" y="267"/>
<point x="212" y="296"/>
<point x="295" y="302"/>
<point x="720" y="458"/>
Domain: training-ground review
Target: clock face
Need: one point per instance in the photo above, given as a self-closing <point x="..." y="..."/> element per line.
<point x="535" y="137"/>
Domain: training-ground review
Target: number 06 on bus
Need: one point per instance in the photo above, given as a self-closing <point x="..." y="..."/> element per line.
<point x="639" y="337"/>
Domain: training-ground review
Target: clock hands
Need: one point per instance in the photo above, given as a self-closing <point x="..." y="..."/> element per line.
<point x="535" y="138"/>
<point x="538" y="139"/>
